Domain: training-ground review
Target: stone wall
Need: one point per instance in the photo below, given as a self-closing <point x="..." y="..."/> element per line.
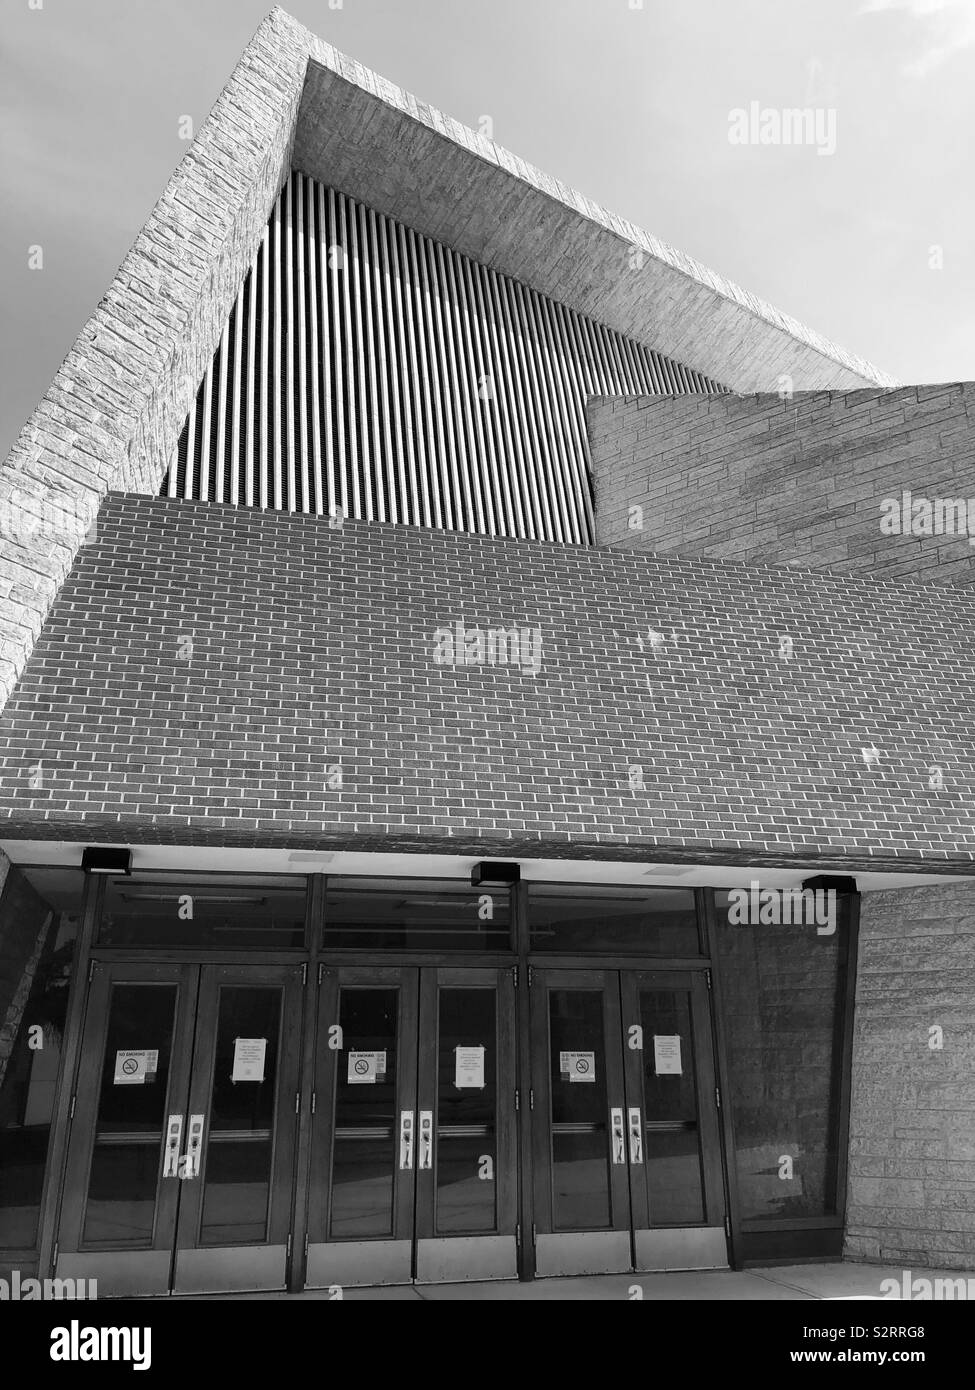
<point x="911" y="1196"/>
<point x="112" y="417"/>
<point x="113" y="414"/>
<point x="795" y="482"/>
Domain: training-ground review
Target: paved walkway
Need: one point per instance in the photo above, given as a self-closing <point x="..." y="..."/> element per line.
<point x="788" y="1283"/>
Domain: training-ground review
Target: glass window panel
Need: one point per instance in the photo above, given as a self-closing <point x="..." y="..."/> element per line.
<point x="580" y="1142"/>
<point x="240" y="1132"/>
<point x="39" y="915"/>
<point x="364" y="1150"/>
<point x="416" y="914"/>
<point x="125" y="1162"/>
<point x="783" y="992"/>
<point x="466" y="1115"/>
<point x="635" y="921"/>
<point x="212" y="911"/>
<point x="672" y="1147"/>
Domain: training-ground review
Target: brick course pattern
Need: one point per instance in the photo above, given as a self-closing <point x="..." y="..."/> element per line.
<point x="112" y="416"/>
<point x="911" y="1197"/>
<point x="787" y="482"/>
<point x="664" y="717"/>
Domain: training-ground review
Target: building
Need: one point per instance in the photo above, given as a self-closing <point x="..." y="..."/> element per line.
<point x="487" y="764"/>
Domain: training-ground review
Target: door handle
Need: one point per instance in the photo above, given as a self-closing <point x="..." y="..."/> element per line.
<point x="616" y="1125"/>
<point x="194" y="1145"/>
<point x="406" y="1139"/>
<point x="426" y="1139"/>
<point x="174" y="1134"/>
<point x="636" y="1135"/>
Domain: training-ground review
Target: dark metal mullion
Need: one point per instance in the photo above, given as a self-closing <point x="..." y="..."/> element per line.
<point x="300" y="1214"/>
<point x="53" y="1191"/>
<point x="708" y="920"/>
<point x="844" y="1064"/>
<point x="524" y="1081"/>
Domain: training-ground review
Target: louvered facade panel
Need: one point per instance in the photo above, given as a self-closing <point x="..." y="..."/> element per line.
<point x="371" y="372"/>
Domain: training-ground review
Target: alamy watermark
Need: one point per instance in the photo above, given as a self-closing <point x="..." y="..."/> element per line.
<point x="783" y="907"/>
<point x="908" y="515"/>
<point x="923" y="1289"/>
<point x="459" y="645"/>
<point x="791" y="125"/>
<point x="25" y="518"/>
<point x="18" y="1289"/>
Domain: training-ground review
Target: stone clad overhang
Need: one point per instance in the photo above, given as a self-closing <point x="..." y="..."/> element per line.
<point x="313" y="647"/>
<point x="368" y="138"/>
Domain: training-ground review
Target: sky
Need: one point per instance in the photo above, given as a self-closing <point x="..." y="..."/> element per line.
<point x="863" y="230"/>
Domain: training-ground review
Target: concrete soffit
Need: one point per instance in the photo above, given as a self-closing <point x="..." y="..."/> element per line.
<point x="111" y="419"/>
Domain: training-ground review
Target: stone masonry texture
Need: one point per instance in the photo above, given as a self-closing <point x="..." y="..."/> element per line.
<point x="112" y="416"/>
<point x="911" y="1197"/>
<point x="787" y="482"/>
<point x="206" y="669"/>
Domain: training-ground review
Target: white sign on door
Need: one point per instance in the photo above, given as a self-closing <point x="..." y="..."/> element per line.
<point x="249" y="1056"/>
<point x="366" y="1068"/>
<point x="132" y="1068"/>
<point x="469" y="1067"/>
<point x="577" y="1066"/>
<point x="666" y="1055"/>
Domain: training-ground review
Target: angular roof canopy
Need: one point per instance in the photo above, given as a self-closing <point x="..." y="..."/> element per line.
<point x="113" y="415"/>
<point x="370" y="139"/>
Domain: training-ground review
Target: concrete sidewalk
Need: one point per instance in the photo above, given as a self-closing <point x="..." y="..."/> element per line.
<point x="786" y="1283"/>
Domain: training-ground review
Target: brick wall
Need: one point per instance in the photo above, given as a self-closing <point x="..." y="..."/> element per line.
<point x="112" y="416"/>
<point x="912" y="1134"/>
<point x="787" y="482"/>
<point x="664" y="715"/>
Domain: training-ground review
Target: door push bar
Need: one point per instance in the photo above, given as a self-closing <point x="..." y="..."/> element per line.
<point x="616" y="1127"/>
<point x="426" y="1139"/>
<point x="174" y="1133"/>
<point x="194" y="1145"/>
<point x="406" y="1139"/>
<point x="636" y="1135"/>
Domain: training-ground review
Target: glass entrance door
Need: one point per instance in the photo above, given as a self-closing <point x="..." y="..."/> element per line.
<point x="627" y="1167"/>
<point x="414" y="1149"/>
<point x="179" y="1167"/>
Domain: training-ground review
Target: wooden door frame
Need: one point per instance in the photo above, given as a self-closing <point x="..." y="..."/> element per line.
<point x="708" y="1125"/>
<point x="213" y="979"/>
<point x="500" y="980"/>
<point x="606" y="982"/>
<point x="331" y="979"/>
<point x="80" y="1142"/>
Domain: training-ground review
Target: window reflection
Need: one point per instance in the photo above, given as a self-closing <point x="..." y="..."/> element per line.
<point x="40" y="911"/>
<point x="593" y="917"/>
<point x="783" y="991"/>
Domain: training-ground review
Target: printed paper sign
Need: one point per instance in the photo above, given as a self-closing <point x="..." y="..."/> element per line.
<point x="666" y="1055"/>
<point x="469" y="1067"/>
<point x="366" y="1068"/>
<point x="249" y="1059"/>
<point x="134" y="1068"/>
<point x="577" y="1066"/>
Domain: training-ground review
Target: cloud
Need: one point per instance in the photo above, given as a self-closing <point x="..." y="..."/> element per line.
<point x="949" y="28"/>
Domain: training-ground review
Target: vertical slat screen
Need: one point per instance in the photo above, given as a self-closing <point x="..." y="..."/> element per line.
<point x="370" y="370"/>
